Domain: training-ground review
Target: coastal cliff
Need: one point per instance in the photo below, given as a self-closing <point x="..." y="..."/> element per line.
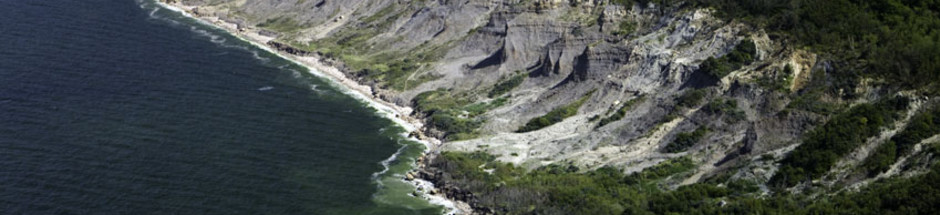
<point x="631" y="85"/>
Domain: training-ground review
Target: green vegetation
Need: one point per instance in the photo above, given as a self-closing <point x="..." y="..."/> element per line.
<point x="555" y="189"/>
<point x="562" y="189"/>
<point x="725" y="107"/>
<point x="691" y="98"/>
<point x="661" y="171"/>
<point x="779" y="82"/>
<point x="393" y="68"/>
<point x="621" y="112"/>
<point x="281" y="24"/>
<point x="452" y="114"/>
<point x="556" y="115"/>
<point x="384" y="13"/>
<point x="881" y="160"/>
<point x="397" y="70"/>
<point x="915" y="195"/>
<point x="933" y="148"/>
<point x="625" y="27"/>
<point x="742" y="55"/>
<point x="685" y="140"/>
<point x="438" y="100"/>
<point x="922" y="126"/>
<point x="892" y="40"/>
<point x="812" y="101"/>
<point x="629" y="3"/>
<point x="584" y="18"/>
<point x="444" y="113"/>
<point x="505" y="86"/>
<point x="825" y="144"/>
<point x="480" y="108"/>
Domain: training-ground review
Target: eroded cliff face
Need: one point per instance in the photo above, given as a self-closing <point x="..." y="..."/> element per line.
<point x="448" y="58"/>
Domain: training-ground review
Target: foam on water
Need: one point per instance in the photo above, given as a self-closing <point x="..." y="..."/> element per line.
<point x="258" y="56"/>
<point x="153" y="13"/>
<point x="385" y="166"/>
<point x="433" y="199"/>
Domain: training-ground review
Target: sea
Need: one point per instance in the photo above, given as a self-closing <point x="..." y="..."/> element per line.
<point x="124" y="107"/>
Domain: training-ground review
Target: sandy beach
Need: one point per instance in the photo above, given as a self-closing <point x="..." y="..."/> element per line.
<point x="401" y="115"/>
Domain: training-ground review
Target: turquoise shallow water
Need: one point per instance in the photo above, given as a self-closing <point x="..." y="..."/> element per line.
<point x="119" y="107"/>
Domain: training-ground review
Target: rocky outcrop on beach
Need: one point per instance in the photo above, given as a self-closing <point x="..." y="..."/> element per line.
<point x="452" y="190"/>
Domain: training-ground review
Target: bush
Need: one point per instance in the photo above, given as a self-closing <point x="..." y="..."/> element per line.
<point x="624" y="28"/>
<point x="742" y="55"/>
<point x="621" y="112"/>
<point x="451" y="124"/>
<point x="691" y="98"/>
<point x="661" y="170"/>
<point x="436" y="100"/>
<point x="725" y="107"/>
<point x="921" y="126"/>
<point x="452" y="114"/>
<point x="825" y="144"/>
<point x="685" y="140"/>
<point x="555" y="116"/>
<point x="881" y="160"/>
<point x="507" y="85"/>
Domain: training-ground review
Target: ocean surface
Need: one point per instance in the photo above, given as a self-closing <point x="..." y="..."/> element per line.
<point x="121" y="107"/>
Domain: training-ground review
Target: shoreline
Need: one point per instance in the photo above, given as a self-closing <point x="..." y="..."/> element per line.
<point x="400" y="115"/>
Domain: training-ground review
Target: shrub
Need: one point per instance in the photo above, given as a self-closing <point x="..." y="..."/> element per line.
<point x="556" y="115"/>
<point x="921" y="126"/>
<point x="507" y="85"/>
<point x="881" y="160"/>
<point x="825" y="144"/>
<point x="691" y="98"/>
<point x="726" y="107"/>
<point x="452" y="114"/>
<point x="621" y="112"/>
<point x="742" y="55"/>
<point x="685" y="140"/>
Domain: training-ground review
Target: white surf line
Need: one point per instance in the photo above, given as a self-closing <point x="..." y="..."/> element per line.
<point x="385" y="164"/>
<point x="381" y="108"/>
<point x="427" y="186"/>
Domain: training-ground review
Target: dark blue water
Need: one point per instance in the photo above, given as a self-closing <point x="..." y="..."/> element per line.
<point x="118" y="107"/>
